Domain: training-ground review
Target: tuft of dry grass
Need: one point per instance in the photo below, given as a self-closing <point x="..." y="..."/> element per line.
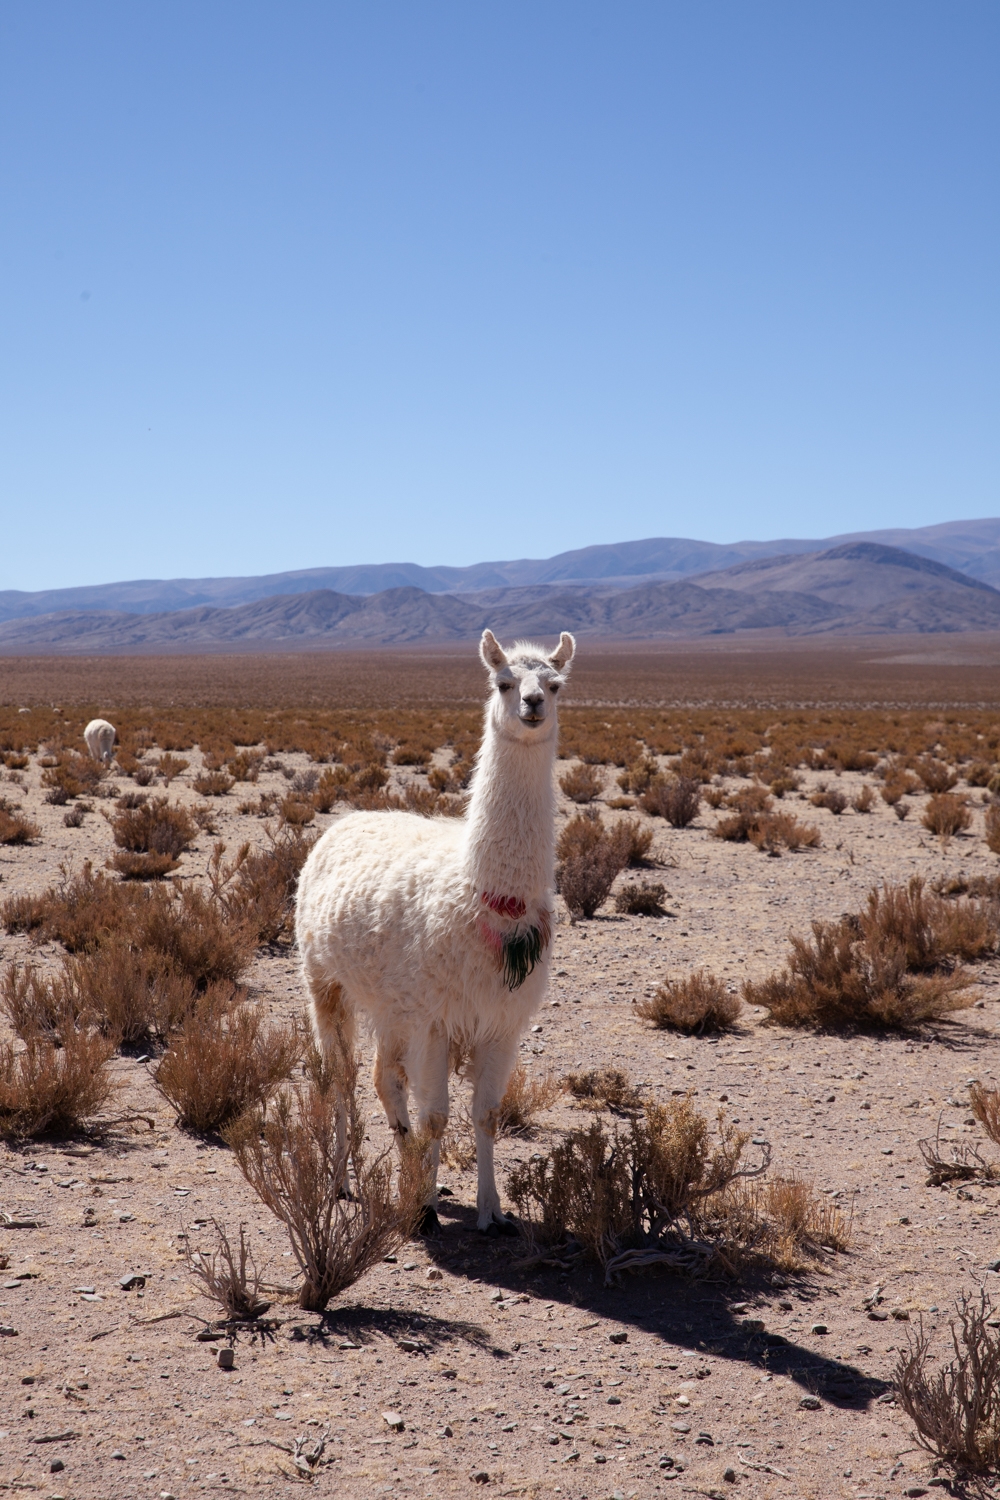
<point x="50" y="1089"/>
<point x="604" y="1088"/>
<point x="582" y="783"/>
<point x="38" y="1004"/>
<point x="525" y="1098"/>
<point x="956" y="1411"/>
<point x="256" y="891"/>
<point x="986" y="1108"/>
<point x="15" y="829"/>
<point x="935" y="775"/>
<point x="754" y="821"/>
<point x="641" y="900"/>
<point x="306" y="1162"/>
<point x="864" y="801"/>
<point x="675" y="798"/>
<point x="991" y="822"/>
<point x="946" y="814"/>
<point x="633" y="840"/>
<point x="213" y="783"/>
<point x="170" y="766"/>
<point x="229" y="1276"/>
<point x="223" y="1061"/>
<point x="883" y="968"/>
<point x="697" y="1004"/>
<point x="832" y="798"/>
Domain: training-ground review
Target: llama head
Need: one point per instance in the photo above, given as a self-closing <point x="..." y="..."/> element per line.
<point x="525" y="685"/>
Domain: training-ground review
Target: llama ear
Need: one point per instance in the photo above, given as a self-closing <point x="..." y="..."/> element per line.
<point x="491" y="652"/>
<point x="563" y="654"/>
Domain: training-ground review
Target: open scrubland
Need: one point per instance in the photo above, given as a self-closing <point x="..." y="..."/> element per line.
<point x="750" y="1143"/>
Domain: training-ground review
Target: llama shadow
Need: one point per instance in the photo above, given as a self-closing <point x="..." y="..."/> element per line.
<point x="695" y="1316"/>
<point x="359" y="1326"/>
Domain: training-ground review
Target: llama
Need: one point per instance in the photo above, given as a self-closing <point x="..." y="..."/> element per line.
<point x="438" y="931"/>
<point x="100" y="737"/>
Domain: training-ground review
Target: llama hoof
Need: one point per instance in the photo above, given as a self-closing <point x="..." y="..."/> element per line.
<point x="428" y="1221"/>
<point x="499" y="1225"/>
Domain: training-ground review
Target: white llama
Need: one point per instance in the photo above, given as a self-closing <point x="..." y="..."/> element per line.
<point x="438" y="931"/>
<point x="100" y="738"/>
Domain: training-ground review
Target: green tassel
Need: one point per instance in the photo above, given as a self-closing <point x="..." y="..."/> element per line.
<point x="521" y="952"/>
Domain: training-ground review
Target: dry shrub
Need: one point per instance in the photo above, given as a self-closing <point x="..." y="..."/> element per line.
<point x="640" y="1195"/>
<point x="523" y="1099"/>
<point x="585" y="882"/>
<point x="582" y="783"/>
<point x="38" y="1004"/>
<point x="229" y="1276"/>
<point x="213" y="783"/>
<point x="946" y="814"/>
<point x="902" y="811"/>
<point x="697" y="1004"/>
<point x="865" y="800"/>
<point x="641" y="900"/>
<point x="897" y="783"/>
<point x="786" y="782"/>
<point x="979" y="773"/>
<point x="222" y="1062"/>
<point x="154" y="834"/>
<point x="956" y="1411"/>
<point x="307" y="1164"/>
<point x="257" y="889"/>
<point x="636" y="778"/>
<point x="935" y="775"/>
<point x="986" y="1108"/>
<point x="766" y="830"/>
<point x="295" y="812"/>
<point x="581" y="834"/>
<point x="71" y="774"/>
<point x="633" y="840"/>
<point x="872" y="970"/>
<point x="676" y="798"/>
<point x="170" y="766"/>
<point x="962" y="1163"/>
<point x="245" y="766"/>
<point x="832" y="798"/>
<point x="991" y="823"/>
<point x="193" y="935"/>
<point x="604" y="1088"/>
<point x="15" y="829"/>
<point x="130" y="993"/>
<point x="779" y="1221"/>
<point x="50" y="1089"/>
<point x="74" y="818"/>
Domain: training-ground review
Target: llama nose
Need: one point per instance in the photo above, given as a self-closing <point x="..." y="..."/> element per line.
<point x="532" y="700"/>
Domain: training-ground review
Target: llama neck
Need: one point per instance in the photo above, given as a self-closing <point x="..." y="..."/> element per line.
<point x="510" y="823"/>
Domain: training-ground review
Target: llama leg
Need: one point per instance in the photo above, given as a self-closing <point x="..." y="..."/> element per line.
<point x="333" y="1025"/>
<point x="429" y="1069"/>
<point x="492" y="1065"/>
<point x="391" y="1085"/>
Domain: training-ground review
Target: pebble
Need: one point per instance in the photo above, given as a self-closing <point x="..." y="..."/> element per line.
<point x="409" y="1346"/>
<point x="614" y="1401"/>
<point x="729" y="1475"/>
<point x="118" y="1453"/>
<point x="680" y="1427"/>
<point x="226" y="1359"/>
<point x="810" y="1403"/>
<point x="820" y="1328"/>
<point x="479" y="1476"/>
<point x="56" y="1466"/>
<point x="83" y="1291"/>
<point x="394" y="1420"/>
<point x="618" y="1338"/>
<point x="132" y="1283"/>
<point x="409" y="1265"/>
<point x="600" y="1458"/>
<point x="433" y="1274"/>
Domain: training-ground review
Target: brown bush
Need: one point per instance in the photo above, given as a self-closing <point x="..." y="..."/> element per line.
<point x="582" y="783"/>
<point x="296" y="813"/>
<point x="245" y="766"/>
<point x="643" y="1195"/>
<point x="636" y="778"/>
<point x="641" y="900"/>
<point x="604" y="1088"/>
<point x="946" y="814"/>
<point x="192" y="933"/>
<point x="697" y="1004"/>
<point x="257" y="890"/>
<point x="583" y="832"/>
<point x="50" y="1089"/>
<point x="633" y="841"/>
<point x="222" y="1062"/>
<point x="677" y="799"/>
<point x="38" y="1004"/>
<point x="935" y="775"/>
<point x="767" y="831"/>
<point x="957" y="1411"/>
<point x="986" y="1108"/>
<point x="306" y="1162"/>
<point x="213" y="783"/>
<point x="991" y="822"/>
<point x="155" y="828"/>
<point x="130" y="993"/>
<point x="585" y="882"/>
<point x="865" y="800"/>
<point x="978" y="773"/>
<point x="928" y="929"/>
<point x="170" y="766"/>
<point x="15" y="829"/>
<point x="832" y="798"/>
<point x="854" y="975"/>
<point x="229" y="1276"/>
<point x="781" y="785"/>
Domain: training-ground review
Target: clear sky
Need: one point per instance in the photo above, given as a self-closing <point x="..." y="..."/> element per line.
<point x="299" y="284"/>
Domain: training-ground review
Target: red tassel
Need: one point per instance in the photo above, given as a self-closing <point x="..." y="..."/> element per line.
<point x="504" y="906"/>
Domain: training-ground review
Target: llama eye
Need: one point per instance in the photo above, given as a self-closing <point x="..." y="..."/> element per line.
<point x="504" y="687"/>
<point x="553" y="687"/>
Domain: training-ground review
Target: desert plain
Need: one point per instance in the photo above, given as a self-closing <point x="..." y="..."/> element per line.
<point x="466" y="1365"/>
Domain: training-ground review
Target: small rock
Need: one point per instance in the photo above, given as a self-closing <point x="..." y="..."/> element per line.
<point x="810" y="1403"/>
<point x="915" y="1489"/>
<point x="56" y="1466"/>
<point x="752" y="1325"/>
<point x="820" y="1328"/>
<point x="27" y="1379"/>
<point x="226" y="1359"/>
<point x="132" y="1283"/>
<point x="91" y="1297"/>
<point x="705" y="1439"/>
<point x="680" y="1427"/>
<point x="878" y="1317"/>
<point x="446" y="1432"/>
<point x="391" y="1260"/>
<point x="479" y="1476"/>
<point x="409" y="1265"/>
<point x="553" y="1438"/>
<point x="614" y="1401"/>
<point x="394" y="1420"/>
<point x="433" y="1274"/>
<point x="118" y="1453"/>
<point x="600" y="1458"/>
<point x="900" y="1314"/>
<point x="618" y="1338"/>
<point x="785" y="1306"/>
<point x="729" y="1475"/>
<point x="409" y="1346"/>
<point x="6" y="1332"/>
<point x="84" y="1291"/>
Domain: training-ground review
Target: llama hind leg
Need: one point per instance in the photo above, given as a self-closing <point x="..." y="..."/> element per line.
<point x="392" y="1085"/>
<point x="333" y="1025"/>
<point x="429" y="1070"/>
<point x="492" y="1065"/>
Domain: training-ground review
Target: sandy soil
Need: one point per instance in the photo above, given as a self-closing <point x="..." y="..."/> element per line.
<point x="543" y="1382"/>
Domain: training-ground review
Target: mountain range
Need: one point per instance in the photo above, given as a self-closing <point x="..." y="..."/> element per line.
<point x="859" y="587"/>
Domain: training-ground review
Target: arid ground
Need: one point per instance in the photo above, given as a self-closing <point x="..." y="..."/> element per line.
<point x="509" y="1379"/>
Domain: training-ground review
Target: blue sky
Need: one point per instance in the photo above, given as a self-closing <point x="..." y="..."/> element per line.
<point x="309" y="284"/>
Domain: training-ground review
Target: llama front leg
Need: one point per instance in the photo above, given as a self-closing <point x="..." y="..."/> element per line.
<point x="492" y="1065"/>
<point x="428" y="1065"/>
<point x="391" y="1085"/>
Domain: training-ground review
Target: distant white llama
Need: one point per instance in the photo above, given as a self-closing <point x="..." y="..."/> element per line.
<point x="100" y="738"/>
<point x="439" y="931"/>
